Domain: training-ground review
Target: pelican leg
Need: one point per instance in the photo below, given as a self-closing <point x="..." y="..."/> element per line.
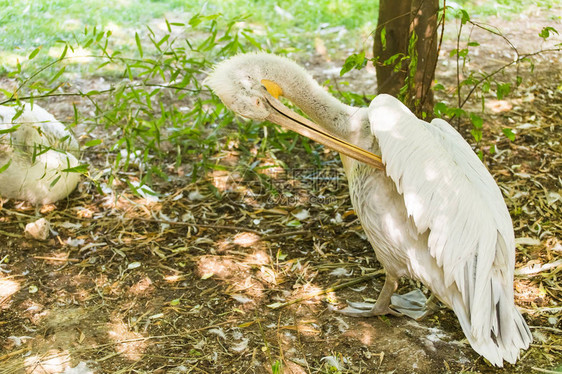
<point x="381" y="307"/>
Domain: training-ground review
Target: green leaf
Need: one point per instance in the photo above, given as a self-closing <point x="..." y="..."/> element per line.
<point x="55" y="181"/>
<point x="5" y="92"/>
<point x="440" y="109"/>
<point x="93" y="142"/>
<point x="294" y="223"/>
<point x="4" y="167"/>
<point x="383" y="38"/>
<point x="473" y="44"/>
<point x="276" y="368"/>
<point x="163" y="40"/>
<point x="252" y="41"/>
<point x="34" y="53"/>
<point x="476" y="134"/>
<point x="139" y="46"/>
<point x="438" y="87"/>
<point x="476" y="120"/>
<point x="503" y="90"/>
<point x="546" y="31"/>
<point x="63" y="54"/>
<point x="9" y="130"/>
<point x="83" y="168"/>
<point x="57" y="75"/>
<point x="508" y="133"/>
<point x="355" y="61"/>
<point x="464" y="16"/>
<point x="457" y="112"/>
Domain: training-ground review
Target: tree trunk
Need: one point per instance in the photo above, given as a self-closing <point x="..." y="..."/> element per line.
<point x="400" y="19"/>
<point x="394" y="22"/>
<point x="425" y="26"/>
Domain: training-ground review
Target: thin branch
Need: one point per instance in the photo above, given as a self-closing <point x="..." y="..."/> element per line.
<point x="81" y="94"/>
<point x="498" y="33"/>
<point x="499" y="70"/>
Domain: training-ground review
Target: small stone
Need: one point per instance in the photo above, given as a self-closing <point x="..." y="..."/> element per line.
<point x="38" y="230"/>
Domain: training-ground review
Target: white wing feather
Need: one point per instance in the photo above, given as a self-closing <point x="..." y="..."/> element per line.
<point x="448" y="191"/>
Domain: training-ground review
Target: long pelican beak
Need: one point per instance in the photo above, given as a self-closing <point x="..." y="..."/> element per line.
<point x="288" y="119"/>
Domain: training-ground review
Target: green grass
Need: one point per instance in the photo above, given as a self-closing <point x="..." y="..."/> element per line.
<point x="25" y="25"/>
<point x="292" y="24"/>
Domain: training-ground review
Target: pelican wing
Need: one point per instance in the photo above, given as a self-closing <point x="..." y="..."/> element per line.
<point x="448" y="192"/>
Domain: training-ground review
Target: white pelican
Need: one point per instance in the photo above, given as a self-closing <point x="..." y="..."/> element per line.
<point x="37" y="148"/>
<point x="434" y="214"/>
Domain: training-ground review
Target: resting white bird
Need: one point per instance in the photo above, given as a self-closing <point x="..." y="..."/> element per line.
<point x="37" y="148"/>
<point x="434" y="214"/>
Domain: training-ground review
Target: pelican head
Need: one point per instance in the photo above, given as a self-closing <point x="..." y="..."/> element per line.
<point x="251" y="84"/>
<point x="240" y="84"/>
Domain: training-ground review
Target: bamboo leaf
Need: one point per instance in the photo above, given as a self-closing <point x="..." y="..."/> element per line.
<point x="83" y="168"/>
<point x="93" y="142"/>
<point x="5" y="166"/>
<point x="57" y="75"/>
<point x="509" y="134"/>
<point x="138" y="41"/>
<point x="34" y="53"/>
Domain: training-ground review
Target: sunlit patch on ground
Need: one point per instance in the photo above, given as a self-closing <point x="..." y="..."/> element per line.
<point x="499" y="106"/>
<point x="52" y="362"/>
<point x="129" y="343"/>
<point x="209" y="266"/>
<point x="362" y="331"/>
<point x="530" y="293"/>
<point x="245" y="239"/>
<point x="8" y="287"/>
<point x="144" y="286"/>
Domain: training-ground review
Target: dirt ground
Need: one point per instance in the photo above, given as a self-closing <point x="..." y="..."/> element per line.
<point x="191" y="283"/>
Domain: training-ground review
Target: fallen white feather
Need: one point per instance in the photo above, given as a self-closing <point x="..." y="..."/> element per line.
<point x="195" y="196"/>
<point x="335" y="363"/>
<point x="241" y="346"/>
<point x="18" y="340"/>
<point x="537" y="268"/>
<point x="241" y="298"/>
<point x="341" y="272"/>
<point x="219" y="332"/>
<point x="301" y="214"/>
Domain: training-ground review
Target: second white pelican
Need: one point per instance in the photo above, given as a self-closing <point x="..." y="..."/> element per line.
<point x="431" y="210"/>
<point x="35" y="149"/>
